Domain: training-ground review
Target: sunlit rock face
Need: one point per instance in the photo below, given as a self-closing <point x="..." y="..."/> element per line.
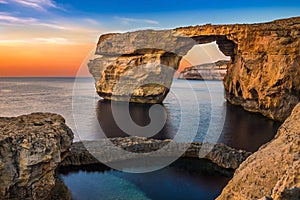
<point x="144" y="78"/>
<point x="274" y="170"/>
<point x="263" y="73"/>
<point x="31" y="148"/>
<point x="138" y="66"/>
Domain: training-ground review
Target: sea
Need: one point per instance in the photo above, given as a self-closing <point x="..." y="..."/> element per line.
<point x="193" y="111"/>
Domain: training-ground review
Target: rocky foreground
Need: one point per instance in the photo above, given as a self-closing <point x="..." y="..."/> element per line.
<point x="34" y="146"/>
<point x="262" y="75"/>
<point x="220" y="154"/>
<point x="273" y="172"/>
<point x="31" y="148"/>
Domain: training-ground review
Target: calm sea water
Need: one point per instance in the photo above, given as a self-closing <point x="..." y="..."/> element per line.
<point x="184" y="179"/>
<point x="209" y="116"/>
<point x="234" y="126"/>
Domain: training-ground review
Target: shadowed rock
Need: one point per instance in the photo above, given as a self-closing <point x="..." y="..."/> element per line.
<point x="274" y="170"/>
<point x="31" y="147"/>
<point x="220" y="154"/>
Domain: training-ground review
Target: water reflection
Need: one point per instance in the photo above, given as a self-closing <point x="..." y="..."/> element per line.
<point x="244" y="130"/>
<point x="241" y="130"/>
<point x="139" y="114"/>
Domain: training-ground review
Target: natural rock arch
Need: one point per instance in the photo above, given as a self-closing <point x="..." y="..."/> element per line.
<point x="263" y="73"/>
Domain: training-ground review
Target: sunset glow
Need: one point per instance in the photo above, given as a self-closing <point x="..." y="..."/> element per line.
<point x="43" y="60"/>
<point x="53" y="37"/>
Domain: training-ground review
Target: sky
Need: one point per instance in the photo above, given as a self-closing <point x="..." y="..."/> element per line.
<point x="54" y="37"/>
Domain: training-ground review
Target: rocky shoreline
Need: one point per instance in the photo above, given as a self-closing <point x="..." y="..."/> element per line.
<point x="220" y="154"/>
<point x="273" y="172"/>
<point x="31" y="148"/>
<point x="208" y="71"/>
<point x="34" y="146"/>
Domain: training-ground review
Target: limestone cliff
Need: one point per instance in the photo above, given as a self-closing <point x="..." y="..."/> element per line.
<point x="136" y="78"/>
<point x="263" y="73"/>
<point x="274" y="170"/>
<point x="31" y="147"/>
<point x="208" y="71"/>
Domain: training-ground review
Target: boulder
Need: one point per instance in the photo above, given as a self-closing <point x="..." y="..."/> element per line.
<point x="31" y="148"/>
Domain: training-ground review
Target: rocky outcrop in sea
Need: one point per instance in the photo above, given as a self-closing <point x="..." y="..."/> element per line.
<point x="31" y="148"/>
<point x="208" y="71"/>
<point x="262" y="75"/>
<point x="220" y="154"/>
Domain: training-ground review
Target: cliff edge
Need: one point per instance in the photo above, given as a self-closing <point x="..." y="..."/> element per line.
<point x="274" y="170"/>
<point x="262" y="75"/>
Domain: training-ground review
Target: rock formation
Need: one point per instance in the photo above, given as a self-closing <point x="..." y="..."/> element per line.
<point x="263" y="73"/>
<point x="208" y="71"/>
<point x="31" y="147"/>
<point x="273" y="172"/>
<point x="222" y="155"/>
<point x="135" y="78"/>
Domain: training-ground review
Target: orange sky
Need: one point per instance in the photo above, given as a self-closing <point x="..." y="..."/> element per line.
<point x="53" y="38"/>
<point x="42" y="59"/>
<point x="51" y="59"/>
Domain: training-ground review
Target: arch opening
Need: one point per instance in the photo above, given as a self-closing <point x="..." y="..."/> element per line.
<point x="204" y="60"/>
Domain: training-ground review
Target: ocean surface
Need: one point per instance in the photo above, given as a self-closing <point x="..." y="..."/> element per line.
<point x="231" y="124"/>
<point x="193" y="111"/>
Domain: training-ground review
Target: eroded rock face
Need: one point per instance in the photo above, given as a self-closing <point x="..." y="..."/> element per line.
<point x="138" y="66"/>
<point x="263" y="74"/>
<point x="221" y="155"/>
<point x="31" y="147"/>
<point x="274" y="170"/>
<point x="135" y="78"/>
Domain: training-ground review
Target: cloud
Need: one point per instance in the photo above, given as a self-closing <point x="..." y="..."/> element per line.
<point x="128" y="21"/>
<point x="40" y="40"/>
<point x="38" y="31"/>
<point x="91" y="21"/>
<point x="5" y="17"/>
<point x="37" y="4"/>
<point x="3" y="2"/>
<point x="53" y="40"/>
<point x="13" y="42"/>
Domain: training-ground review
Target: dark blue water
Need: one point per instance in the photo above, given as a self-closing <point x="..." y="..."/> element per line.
<point x="218" y="121"/>
<point x="184" y="179"/>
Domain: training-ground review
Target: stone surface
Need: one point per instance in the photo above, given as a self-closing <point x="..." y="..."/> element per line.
<point x="208" y="71"/>
<point x="263" y="73"/>
<point x="222" y="155"/>
<point x="60" y="191"/>
<point x="135" y="78"/>
<point x="274" y="170"/>
<point x="31" y="147"/>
